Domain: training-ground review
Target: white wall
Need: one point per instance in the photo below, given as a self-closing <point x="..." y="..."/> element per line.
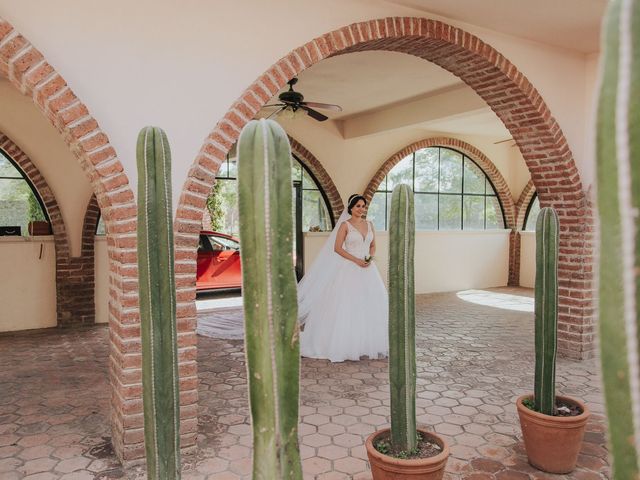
<point x="101" y="283"/>
<point x="28" y="293"/>
<point x="527" y="259"/>
<point x="444" y="261"/>
<point x="184" y="67"/>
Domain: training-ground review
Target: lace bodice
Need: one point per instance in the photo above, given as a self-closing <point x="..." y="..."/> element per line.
<point x="355" y="243"/>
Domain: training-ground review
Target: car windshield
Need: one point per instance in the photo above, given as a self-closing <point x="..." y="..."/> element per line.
<point x="226" y="242"/>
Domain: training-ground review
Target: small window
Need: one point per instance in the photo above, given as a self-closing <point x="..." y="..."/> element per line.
<point x="100" y="228"/>
<point x="531" y="217"/>
<point x="19" y="200"/>
<point x="451" y="192"/>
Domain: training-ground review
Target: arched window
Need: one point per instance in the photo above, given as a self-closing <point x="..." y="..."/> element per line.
<point x="451" y="192"/>
<point x="315" y="214"/>
<point x="100" y="228"/>
<point x="531" y="216"/>
<point x="19" y="200"/>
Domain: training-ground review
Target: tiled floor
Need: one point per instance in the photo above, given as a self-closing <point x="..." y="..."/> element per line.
<point x="474" y="360"/>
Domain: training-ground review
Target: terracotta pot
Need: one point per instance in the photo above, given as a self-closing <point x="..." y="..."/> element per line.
<point x="552" y="443"/>
<point x="384" y="467"/>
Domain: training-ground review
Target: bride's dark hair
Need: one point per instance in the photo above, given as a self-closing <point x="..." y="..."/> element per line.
<point x="353" y="199"/>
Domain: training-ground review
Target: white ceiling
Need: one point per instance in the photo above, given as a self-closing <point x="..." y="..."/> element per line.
<point x="571" y="24"/>
<point x="366" y="82"/>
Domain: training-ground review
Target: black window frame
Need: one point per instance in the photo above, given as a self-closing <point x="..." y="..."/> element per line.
<point x="534" y="197"/>
<point x="462" y="193"/>
<point x="23" y="176"/>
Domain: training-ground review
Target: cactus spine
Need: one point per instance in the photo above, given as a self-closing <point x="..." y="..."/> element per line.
<point x="158" y="306"/>
<point x="546" y="310"/>
<point x="618" y="177"/>
<point x="402" y="321"/>
<point x="270" y="301"/>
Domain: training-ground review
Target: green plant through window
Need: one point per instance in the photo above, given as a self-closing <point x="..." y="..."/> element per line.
<point x="19" y="203"/>
<point x="451" y="192"/>
<point x="222" y="204"/>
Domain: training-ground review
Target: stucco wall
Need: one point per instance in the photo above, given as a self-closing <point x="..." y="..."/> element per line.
<point x="28" y="294"/>
<point x="527" y="259"/>
<point x="102" y="279"/>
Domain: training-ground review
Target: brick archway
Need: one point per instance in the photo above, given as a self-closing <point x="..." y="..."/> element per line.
<point x="522" y="205"/>
<point x="28" y="71"/>
<point x="487" y="166"/>
<point x="324" y="179"/>
<point x="492" y="76"/>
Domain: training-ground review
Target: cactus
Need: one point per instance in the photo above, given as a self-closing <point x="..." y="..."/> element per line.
<point x="546" y="310"/>
<point x="618" y="152"/>
<point x="270" y="302"/>
<point x="402" y="321"/>
<point x="160" y="390"/>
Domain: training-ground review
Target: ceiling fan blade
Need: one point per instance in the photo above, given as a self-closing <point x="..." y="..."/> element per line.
<point x="313" y="114"/>
<point x="275" y="112"/>
<point x="275" y="105"/>
<point x="325" y="106"/>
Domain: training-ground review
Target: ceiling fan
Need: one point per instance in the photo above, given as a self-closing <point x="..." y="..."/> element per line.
<point x="293" y="101"/>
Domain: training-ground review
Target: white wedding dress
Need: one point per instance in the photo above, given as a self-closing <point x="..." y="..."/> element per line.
<point x="343" y="306"/>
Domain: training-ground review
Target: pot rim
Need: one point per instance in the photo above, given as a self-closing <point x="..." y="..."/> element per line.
<point x="441" y="457"/>
<point x="541" y="417"/>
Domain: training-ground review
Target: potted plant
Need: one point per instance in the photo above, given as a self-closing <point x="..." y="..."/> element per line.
<point x="552" y="426"/>
<point x="404" y="450"/>
<point x="270" y="301"/>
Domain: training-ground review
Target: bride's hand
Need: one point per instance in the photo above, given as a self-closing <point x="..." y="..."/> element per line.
<point x="362" y="263"/>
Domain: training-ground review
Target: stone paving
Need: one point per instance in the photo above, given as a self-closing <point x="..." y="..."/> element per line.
<point x="473" y="361"/>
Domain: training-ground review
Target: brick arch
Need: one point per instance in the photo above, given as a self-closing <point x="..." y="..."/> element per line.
<point x="522" y="205"/>
<point x="27" y="70"/>
<point x="487" y="166"/>
<point x="492" y="76"/>
<point x="322" y="176"/>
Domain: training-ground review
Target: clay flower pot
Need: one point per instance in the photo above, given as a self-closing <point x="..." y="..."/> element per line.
<point x="384" y="467"/>
<point x="552" y="443"/>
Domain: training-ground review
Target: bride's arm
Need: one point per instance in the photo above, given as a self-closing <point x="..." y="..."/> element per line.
<point x="372" y="247"/>
<point x="337" y="247"/>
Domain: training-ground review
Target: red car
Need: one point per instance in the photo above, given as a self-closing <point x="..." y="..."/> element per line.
<point x="218" y="262"/>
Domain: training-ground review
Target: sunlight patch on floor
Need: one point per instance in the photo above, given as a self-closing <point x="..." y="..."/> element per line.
<point x="504" y="301"/>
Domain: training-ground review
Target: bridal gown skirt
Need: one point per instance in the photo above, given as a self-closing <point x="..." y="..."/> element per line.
<point x="351" y="320"/>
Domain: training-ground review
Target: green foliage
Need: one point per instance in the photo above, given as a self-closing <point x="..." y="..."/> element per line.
<point x="270" y="301"/>
<point x="160" y="391"/>
<point x="546" y="310"/>
<point x="402" y="322"/>
<point x="35" y="211"/>
<point x="215" y="208"/>
<point x="618" y="179"/>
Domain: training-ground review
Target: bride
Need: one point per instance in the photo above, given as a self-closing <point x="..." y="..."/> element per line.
<point x="342" y="301"/>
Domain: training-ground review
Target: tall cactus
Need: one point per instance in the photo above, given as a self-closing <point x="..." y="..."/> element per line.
<point x="270" y="301"/>
<point x="158" y="307"/>
<point x="546" y="310"/>
<point x="402" y="320"/>
<point x="618" y="176"/>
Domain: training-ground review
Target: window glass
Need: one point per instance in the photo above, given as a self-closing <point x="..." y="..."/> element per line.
<point x="427" y="170"/>
<point x="532" y="216"/>
<point x="473" y="213"/>
<point x="474" y="179"/>
<point x="439" y="175"/>
<point x="495" y="219"/>
<point x="450" y="212"/>
<point x="426" y="211"/>
<point x="315" y="213"/>
<point x="376" y="211"/>
<point x="401" y="173"/>
<point x="18" y="202"/>
<point x="100" y="228"/>
<point x="450" y="171"/>
<point x="315" y="216"/>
